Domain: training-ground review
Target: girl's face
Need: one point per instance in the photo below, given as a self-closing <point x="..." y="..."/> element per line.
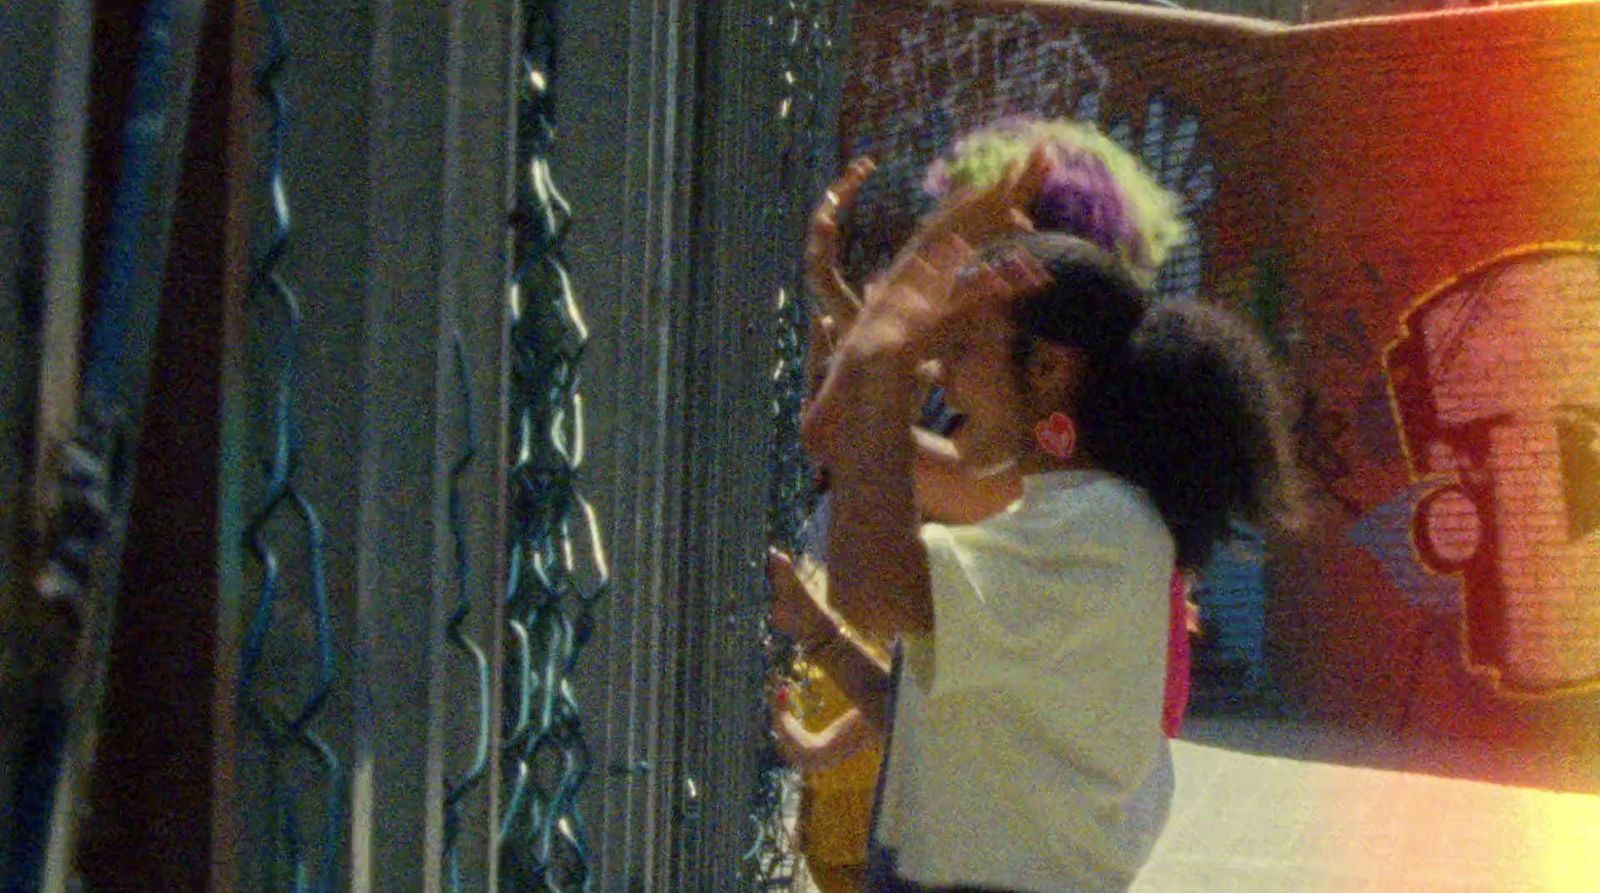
<point x="972" y="362"/>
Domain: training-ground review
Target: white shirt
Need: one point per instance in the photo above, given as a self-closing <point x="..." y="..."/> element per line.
<point x="1027" y="751"/>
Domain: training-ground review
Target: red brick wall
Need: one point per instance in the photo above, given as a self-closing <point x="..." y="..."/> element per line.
<point x="1339" y="177"/>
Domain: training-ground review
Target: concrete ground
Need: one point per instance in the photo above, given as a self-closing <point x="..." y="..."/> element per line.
<point x="1282" y="807"/>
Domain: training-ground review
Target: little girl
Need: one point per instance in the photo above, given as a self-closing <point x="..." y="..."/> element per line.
<point x="1102" y="195"/>
<point x="1026" y="749"/>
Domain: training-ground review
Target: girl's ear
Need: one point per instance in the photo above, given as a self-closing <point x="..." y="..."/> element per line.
<point x="1054" y="374"/>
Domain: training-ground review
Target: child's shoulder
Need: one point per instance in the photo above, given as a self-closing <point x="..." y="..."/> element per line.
<point x="1092" y="509"/>
<point x="1095" y="506"/>
<point x="1087" y="492"/>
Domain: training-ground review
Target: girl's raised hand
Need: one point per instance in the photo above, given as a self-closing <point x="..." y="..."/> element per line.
<point x="905" y="308"/>
<point x="823" y="271"/>
<point x="927" y="264"/>
<point x="919" y="290"/>
<point x="945" y="279"/>
<point x="978" y="217"/>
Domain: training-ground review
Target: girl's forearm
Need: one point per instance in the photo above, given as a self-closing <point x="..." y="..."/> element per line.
<point x="848" y="661"/>
<point x="847" y="736"/>
<point x="817" y="752"/>
<point x="878" y="567"/>
<point x="860" y="415"/>
<point x="878" y="575"/>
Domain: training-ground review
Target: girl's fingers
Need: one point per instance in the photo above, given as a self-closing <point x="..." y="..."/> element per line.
<point x="822" y="337"/>
<point x="855" y="173"/>
<point x="819" y="350"/>
<point x="1004" y="279"/>
<point x="823" y="277"/>
<point x="1021" y="270"/>
<point x="985" y="286"/>
<point x="1000" y="209"/>
<point x="911" y="275"/>
<point x="943" y="258"/>
<point x="979" y="216"/>
<point x="1019" y="222"/>
<point x="1024" y="181"/>
<point x="931" y="272"/>
<point x="822" y="265"/>
<point x="942" y="249"/>
<point x="874" y="290"/>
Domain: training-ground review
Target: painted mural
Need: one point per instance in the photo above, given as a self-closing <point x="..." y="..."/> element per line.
<point x="1496" y="388"/>
<point x="1360" y="190"/>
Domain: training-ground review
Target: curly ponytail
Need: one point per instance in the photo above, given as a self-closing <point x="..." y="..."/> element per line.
<point x="1181" y="399"/>
<point x="1192" y="411"/>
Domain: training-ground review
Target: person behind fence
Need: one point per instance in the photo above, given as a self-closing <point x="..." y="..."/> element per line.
<point x="817" y="728"/>
<point x="820" y="732"/>
<point x="1024" y="711"/>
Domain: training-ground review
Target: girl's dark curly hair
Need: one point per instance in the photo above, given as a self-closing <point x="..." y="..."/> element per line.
<point x="1180" y="398"/>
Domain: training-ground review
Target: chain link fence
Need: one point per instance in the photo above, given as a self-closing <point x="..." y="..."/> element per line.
<point x="558" y="567"/>
<point x="810" y="39"/>
<point x="411" y="570"/>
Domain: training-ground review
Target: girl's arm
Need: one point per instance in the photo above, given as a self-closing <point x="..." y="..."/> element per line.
<point x="944" y="493"/>
<point x="814" y="751"/>
<point x="877" y="567"/>
<point x="827" y="642"/>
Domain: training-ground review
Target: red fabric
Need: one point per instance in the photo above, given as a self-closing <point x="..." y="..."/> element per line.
<point x="1177" y="696"/>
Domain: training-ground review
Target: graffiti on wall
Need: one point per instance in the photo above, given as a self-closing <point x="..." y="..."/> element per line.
<point x="956" y="72"/>
<point x="1336" y="444"/>
<point x="1495" y="385"/>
